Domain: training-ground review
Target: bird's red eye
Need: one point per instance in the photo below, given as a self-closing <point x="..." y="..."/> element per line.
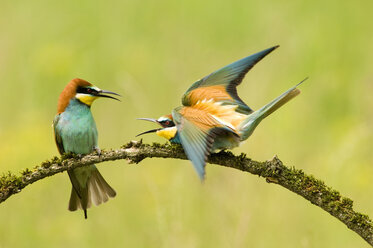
<point x="167" y="123"/>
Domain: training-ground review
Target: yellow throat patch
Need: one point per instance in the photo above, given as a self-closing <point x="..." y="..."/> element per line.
<point x="167" y="133"/>
<point x="85" y="98"/>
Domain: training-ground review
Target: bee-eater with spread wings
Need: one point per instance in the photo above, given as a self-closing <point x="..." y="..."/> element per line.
<point x="75" y="131"/>
<point x="213" y="116"/>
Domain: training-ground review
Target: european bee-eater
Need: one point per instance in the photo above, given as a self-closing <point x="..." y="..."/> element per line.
<point x="75" y="131"/>
<point x="213" y="116"/>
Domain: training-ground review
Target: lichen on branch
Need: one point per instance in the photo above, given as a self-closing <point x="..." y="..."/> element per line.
<point x="274" y="171"/>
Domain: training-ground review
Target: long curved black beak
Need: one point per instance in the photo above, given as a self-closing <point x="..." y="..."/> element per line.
<point x="108" y="92"/>
<point x="150" y="131"/>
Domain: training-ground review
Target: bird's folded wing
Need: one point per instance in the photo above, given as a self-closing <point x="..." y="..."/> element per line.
<point x="57" y="135"/>
<point x="221" y="84"/>
<point x="197" y="130"/>
<point x="59" y="143"/>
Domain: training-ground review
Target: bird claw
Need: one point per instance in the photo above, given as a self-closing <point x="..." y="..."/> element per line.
<point x="98" y="150"/>
<point x="79" y="156"/>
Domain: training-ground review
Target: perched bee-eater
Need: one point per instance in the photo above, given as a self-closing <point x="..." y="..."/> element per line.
<point x="75" y="131"/>
<point x="213" y="116"/>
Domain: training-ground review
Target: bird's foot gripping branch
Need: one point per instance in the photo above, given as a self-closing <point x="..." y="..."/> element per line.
<point x="274" y="171"/>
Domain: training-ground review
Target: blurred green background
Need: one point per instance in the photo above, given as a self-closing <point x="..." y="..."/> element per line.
<point x="151" y="52"/>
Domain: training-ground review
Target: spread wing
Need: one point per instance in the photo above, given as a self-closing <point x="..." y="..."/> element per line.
<point x="221" y="84"/>
<point x="197" y="130"/>
<point x="57" y="136"/>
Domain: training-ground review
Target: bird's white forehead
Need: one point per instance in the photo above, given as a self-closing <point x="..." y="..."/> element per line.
<point x="162" y="118"/>
<point x="95" y="88"/>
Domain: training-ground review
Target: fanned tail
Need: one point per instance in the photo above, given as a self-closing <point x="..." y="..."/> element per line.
<point x="248" y="126"/>
<point x="88" y="187"/>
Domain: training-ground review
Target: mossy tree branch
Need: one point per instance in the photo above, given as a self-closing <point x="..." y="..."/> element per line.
<point x="310" y="188"/>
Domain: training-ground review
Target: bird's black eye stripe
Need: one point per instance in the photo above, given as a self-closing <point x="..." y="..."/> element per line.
<point x="86" y="90"/>
<point x="167" y="123"/>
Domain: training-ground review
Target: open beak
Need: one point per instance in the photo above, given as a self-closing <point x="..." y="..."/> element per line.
<point x="108" y="92"/>
<point x="150" y="131"/>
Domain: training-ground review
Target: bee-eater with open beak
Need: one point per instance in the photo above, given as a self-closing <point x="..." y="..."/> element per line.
<point x="213" y="116"/>
<point x="75" y="131"/>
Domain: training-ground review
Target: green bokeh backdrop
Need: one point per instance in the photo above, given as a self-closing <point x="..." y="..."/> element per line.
<point x="151" y="52"/>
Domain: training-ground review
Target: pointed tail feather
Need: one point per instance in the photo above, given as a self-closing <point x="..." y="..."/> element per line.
<point x="74" y="203"/>
<point x="94" y="189"/>
<point x="99" y="190"/>
<point x="248" y="126"/>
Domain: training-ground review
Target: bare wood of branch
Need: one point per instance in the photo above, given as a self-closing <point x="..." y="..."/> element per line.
<point x="310" y="188"/>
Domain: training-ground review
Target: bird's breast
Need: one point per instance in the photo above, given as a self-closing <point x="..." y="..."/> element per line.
<point x="78" y="132"/>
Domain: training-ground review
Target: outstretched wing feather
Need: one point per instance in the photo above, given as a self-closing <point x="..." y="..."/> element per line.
<point x="221" y="84"/>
